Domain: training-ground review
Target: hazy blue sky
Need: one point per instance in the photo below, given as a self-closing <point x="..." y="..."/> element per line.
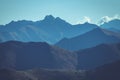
<point x="70" y="10"/>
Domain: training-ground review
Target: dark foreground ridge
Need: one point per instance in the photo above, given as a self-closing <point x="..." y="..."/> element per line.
<point x="107" y="72"/>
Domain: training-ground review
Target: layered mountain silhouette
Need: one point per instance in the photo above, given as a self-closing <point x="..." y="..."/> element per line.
<point x="49" y="30"/>
<point x="90" y="39"/>
<point x="98" y="56"/>
<point x="23" y="56"/>
<point x="53" y="49"/>
<point x="113" y="25"/>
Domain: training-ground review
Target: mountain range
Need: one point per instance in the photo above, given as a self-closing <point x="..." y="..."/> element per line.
<point x="49" y="30"/>
<point x="87" y="40"/>
<point x="113" y="25"/>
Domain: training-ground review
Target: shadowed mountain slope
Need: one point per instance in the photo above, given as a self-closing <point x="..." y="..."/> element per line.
<point x="90" y="39"/>
<point x="22" y="56"/>
<point x="97" y="56"/>
<point x="107" y="72"/>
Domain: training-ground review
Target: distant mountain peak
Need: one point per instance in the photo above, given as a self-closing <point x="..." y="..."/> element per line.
<point x="87" y="23"/>
<point x="115" y="20"/>
<point x="49" y="17"/>
<point x="113" y="25"/>
<point x="19" y="23"/>
<point x="11" y="22"/>
<point x="58" y="18"/>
